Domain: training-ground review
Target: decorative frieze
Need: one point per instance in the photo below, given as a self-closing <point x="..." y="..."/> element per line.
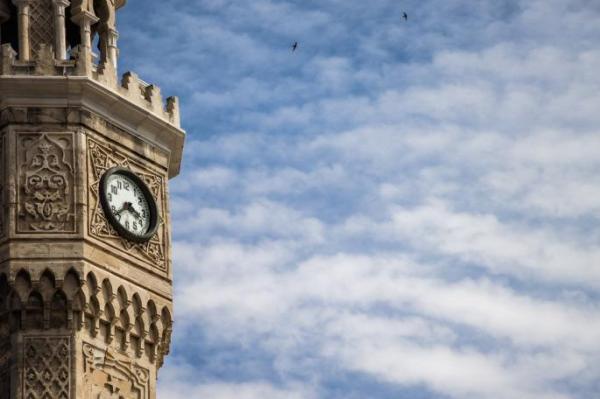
<point x="46" y="173"/>
<point x="100" y="159"/>
<point x="47" y="367"/>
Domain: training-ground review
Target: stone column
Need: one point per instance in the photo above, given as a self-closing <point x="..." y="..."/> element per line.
<point x="113" y="53"/>
<point x="85" y="20"/>
<point x="23" y="11"/>
<point x="60" y="28"/>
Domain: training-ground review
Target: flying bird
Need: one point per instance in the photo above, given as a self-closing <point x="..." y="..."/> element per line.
<point x="405" y="16"/>
<point x="294" y="46"/>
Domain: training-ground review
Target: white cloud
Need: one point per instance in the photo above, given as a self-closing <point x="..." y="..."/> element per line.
<point x="333" y="297"/>
<point x="180" y="389"/>
<point x="410" y="203"/>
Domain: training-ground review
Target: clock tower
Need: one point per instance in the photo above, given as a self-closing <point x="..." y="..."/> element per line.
<point x="85" y="247"/>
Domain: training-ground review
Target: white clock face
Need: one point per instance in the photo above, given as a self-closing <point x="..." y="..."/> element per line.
<point x="128" y="204"/>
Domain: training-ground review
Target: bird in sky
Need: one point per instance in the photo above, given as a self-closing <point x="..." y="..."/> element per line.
<point x="405" y="16"/>
<point x="294" y="46"/>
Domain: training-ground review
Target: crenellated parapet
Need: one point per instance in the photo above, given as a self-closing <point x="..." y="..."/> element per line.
<point x="54" y="38"/>
<point x="149" y="96"/>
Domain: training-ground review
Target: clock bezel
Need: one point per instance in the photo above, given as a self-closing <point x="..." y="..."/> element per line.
<point x="123" y="232"/>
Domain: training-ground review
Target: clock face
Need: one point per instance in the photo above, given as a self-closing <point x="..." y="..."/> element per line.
<point x="128" y="204"/>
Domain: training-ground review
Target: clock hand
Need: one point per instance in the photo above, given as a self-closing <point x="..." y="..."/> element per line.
<point x="126" y="206"/>
<point x="132" y="209"/>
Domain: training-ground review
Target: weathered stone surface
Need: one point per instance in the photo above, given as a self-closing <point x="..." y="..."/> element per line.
<point x="66" y="331"/>
<point x="84" y="313"/>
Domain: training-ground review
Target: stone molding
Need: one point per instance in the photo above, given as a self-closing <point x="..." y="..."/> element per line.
<point x="78" y="92"/>
<point x="130" y="87"/>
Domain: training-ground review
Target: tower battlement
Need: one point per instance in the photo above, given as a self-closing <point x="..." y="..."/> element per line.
<point x="54" y="38"/>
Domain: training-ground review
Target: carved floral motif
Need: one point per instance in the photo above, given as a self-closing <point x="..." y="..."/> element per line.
<point x="46" y="173"/>
<point x="102" y="158"/>
<point x="47" y="371"/>
<point x="107" y="377"/>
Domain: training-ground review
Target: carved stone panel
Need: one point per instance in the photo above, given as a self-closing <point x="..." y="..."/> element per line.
<point x="47" y="367"/>
<point x="106" y="377"/>
<point x="46" y="172"/>
<point x="101" y="158"/>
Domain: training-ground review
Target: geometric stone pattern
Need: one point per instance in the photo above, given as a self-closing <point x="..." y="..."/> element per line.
<point x="41" y="25"/>
<point x="124" y="336"/>
<point x="46" y="194"/>
<point x="102" y="158"/>
<point x="47" y="368"/>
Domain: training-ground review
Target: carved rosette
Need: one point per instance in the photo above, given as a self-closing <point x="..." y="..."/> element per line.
<point x="47" y="371"/>
<point x="101" y="158"/>
<point x="46" y="195"/>
<point x="107" y="377"/>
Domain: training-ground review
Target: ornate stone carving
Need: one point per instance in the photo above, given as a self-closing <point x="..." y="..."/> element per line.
<point x="102" y="158"/>
<point x="41" y="25"/>
<point x="47" y="367"/>
<point x="106" y="377"/>
<point x="46" y="195"/>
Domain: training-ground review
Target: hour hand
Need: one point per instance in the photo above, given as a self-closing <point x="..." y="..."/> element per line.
<point x="132" y="209"/>
<point x="126" y="207"/>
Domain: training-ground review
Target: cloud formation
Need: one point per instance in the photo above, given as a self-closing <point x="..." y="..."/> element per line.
<point x="398" y="209"/>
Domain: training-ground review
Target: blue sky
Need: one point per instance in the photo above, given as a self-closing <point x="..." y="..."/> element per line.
<point x="399" y="209"/>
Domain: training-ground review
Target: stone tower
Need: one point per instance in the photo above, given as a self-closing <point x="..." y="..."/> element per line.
<point x="85" y="251"/>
